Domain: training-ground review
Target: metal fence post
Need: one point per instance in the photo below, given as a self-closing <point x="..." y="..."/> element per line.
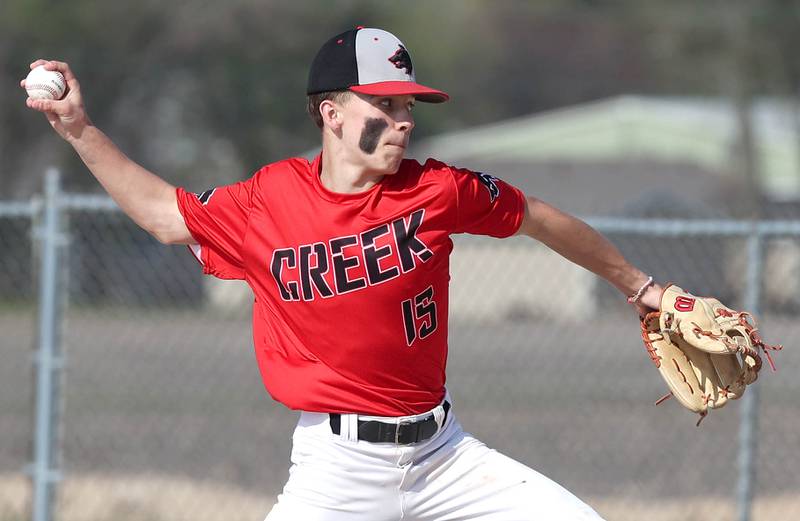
<point x="748" y="426"/>
<point x="47" y="357"/>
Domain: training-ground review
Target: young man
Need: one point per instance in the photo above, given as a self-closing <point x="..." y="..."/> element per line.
<point x="347" y="256"/>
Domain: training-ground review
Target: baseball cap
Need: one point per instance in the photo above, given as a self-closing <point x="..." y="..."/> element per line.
<point x="370" y="61"/>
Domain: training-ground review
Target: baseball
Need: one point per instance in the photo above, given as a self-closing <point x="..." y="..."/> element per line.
<point x="44" y="84"/>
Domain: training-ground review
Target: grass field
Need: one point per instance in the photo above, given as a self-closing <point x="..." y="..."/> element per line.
<point x="153" y="497"/>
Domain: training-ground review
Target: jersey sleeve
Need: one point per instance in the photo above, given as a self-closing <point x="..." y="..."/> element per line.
<point x="485" y="205"/>
<point x="217" y="220"/>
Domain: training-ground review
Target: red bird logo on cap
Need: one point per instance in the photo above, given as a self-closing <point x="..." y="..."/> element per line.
<point x="402" y="60"/>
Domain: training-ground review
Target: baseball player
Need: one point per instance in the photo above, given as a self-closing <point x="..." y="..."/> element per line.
<point x="347" y="256"/>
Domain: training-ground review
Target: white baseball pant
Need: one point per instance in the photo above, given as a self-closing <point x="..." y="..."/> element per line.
<point x="452" y="476"/>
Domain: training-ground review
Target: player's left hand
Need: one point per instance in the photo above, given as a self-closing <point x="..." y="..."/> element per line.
<point x="707" y="353"/>
<point x="650" y="300"/>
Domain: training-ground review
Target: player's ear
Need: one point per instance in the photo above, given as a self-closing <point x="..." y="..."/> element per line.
<point x="331" y="116"/>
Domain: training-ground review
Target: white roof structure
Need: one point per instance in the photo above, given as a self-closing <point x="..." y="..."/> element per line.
<point x="702" y="131"/>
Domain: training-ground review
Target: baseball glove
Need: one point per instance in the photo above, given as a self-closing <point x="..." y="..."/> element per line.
<point x="706" y="352"/>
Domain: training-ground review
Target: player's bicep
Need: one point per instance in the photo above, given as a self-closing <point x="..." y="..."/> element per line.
<point x="172" y="228"/>
<point x="179" y="232"/>
<point x="536" y="212"/>
<point x="545" y="222"/>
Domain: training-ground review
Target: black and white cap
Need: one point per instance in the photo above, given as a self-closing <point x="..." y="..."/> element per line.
<point x="370" y="61"/>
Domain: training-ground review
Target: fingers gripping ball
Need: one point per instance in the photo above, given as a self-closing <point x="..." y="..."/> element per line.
<point x="706" y="352"/>
<point x="44" y="84"/>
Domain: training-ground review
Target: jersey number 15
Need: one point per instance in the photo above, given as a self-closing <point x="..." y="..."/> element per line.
<point x="419" y="316"/>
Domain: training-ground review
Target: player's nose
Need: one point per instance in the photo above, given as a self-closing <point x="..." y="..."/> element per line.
<point x="405" y="123"/>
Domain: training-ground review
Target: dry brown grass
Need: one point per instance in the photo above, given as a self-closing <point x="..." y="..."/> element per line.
<point x="771" y="508"/>
<point x="146" y="497"/>
<point x="151" y="497"/>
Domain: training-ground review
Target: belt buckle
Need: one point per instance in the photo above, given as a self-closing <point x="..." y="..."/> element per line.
<point x="400" y="425"/>
<point x="403" y="424"/>
<point x="397" y="431"/>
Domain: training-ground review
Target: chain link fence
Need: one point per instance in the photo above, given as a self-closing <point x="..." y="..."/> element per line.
<point x="17" y="325"/>
<point x="164" y="417"/>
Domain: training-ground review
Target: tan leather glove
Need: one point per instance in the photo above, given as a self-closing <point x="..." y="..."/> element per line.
<point x="706" y="352"/>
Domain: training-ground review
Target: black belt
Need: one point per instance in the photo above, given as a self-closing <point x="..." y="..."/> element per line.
<point x="403" y="433"/>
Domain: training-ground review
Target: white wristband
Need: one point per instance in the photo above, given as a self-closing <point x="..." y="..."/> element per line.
<point x="638" y="295"/>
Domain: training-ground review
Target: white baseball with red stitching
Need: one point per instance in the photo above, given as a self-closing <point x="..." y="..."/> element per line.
<point x="44" y="84"/>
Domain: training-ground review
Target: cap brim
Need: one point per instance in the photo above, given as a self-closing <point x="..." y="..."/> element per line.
<point x="401" y="88"/>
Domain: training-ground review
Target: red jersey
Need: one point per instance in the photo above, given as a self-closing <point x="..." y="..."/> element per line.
<point x="351" y="290"/>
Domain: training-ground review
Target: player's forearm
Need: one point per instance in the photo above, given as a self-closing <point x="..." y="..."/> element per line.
<point x="144" y="197"/>
<point x="580" y="243"/>
<point x="583" y="245"/>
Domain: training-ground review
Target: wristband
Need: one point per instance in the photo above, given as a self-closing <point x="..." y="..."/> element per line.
<point x="636" y="296"/>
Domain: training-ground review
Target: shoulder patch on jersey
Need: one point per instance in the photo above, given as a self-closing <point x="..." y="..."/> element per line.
<point x="206" y="196"/>
<point x="490" y="183"/>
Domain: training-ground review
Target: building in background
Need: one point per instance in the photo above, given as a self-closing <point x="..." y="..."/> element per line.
<point x="648" y="143"/>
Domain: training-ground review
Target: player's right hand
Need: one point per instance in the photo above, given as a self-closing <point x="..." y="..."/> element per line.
<point x="67" y="115"/>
